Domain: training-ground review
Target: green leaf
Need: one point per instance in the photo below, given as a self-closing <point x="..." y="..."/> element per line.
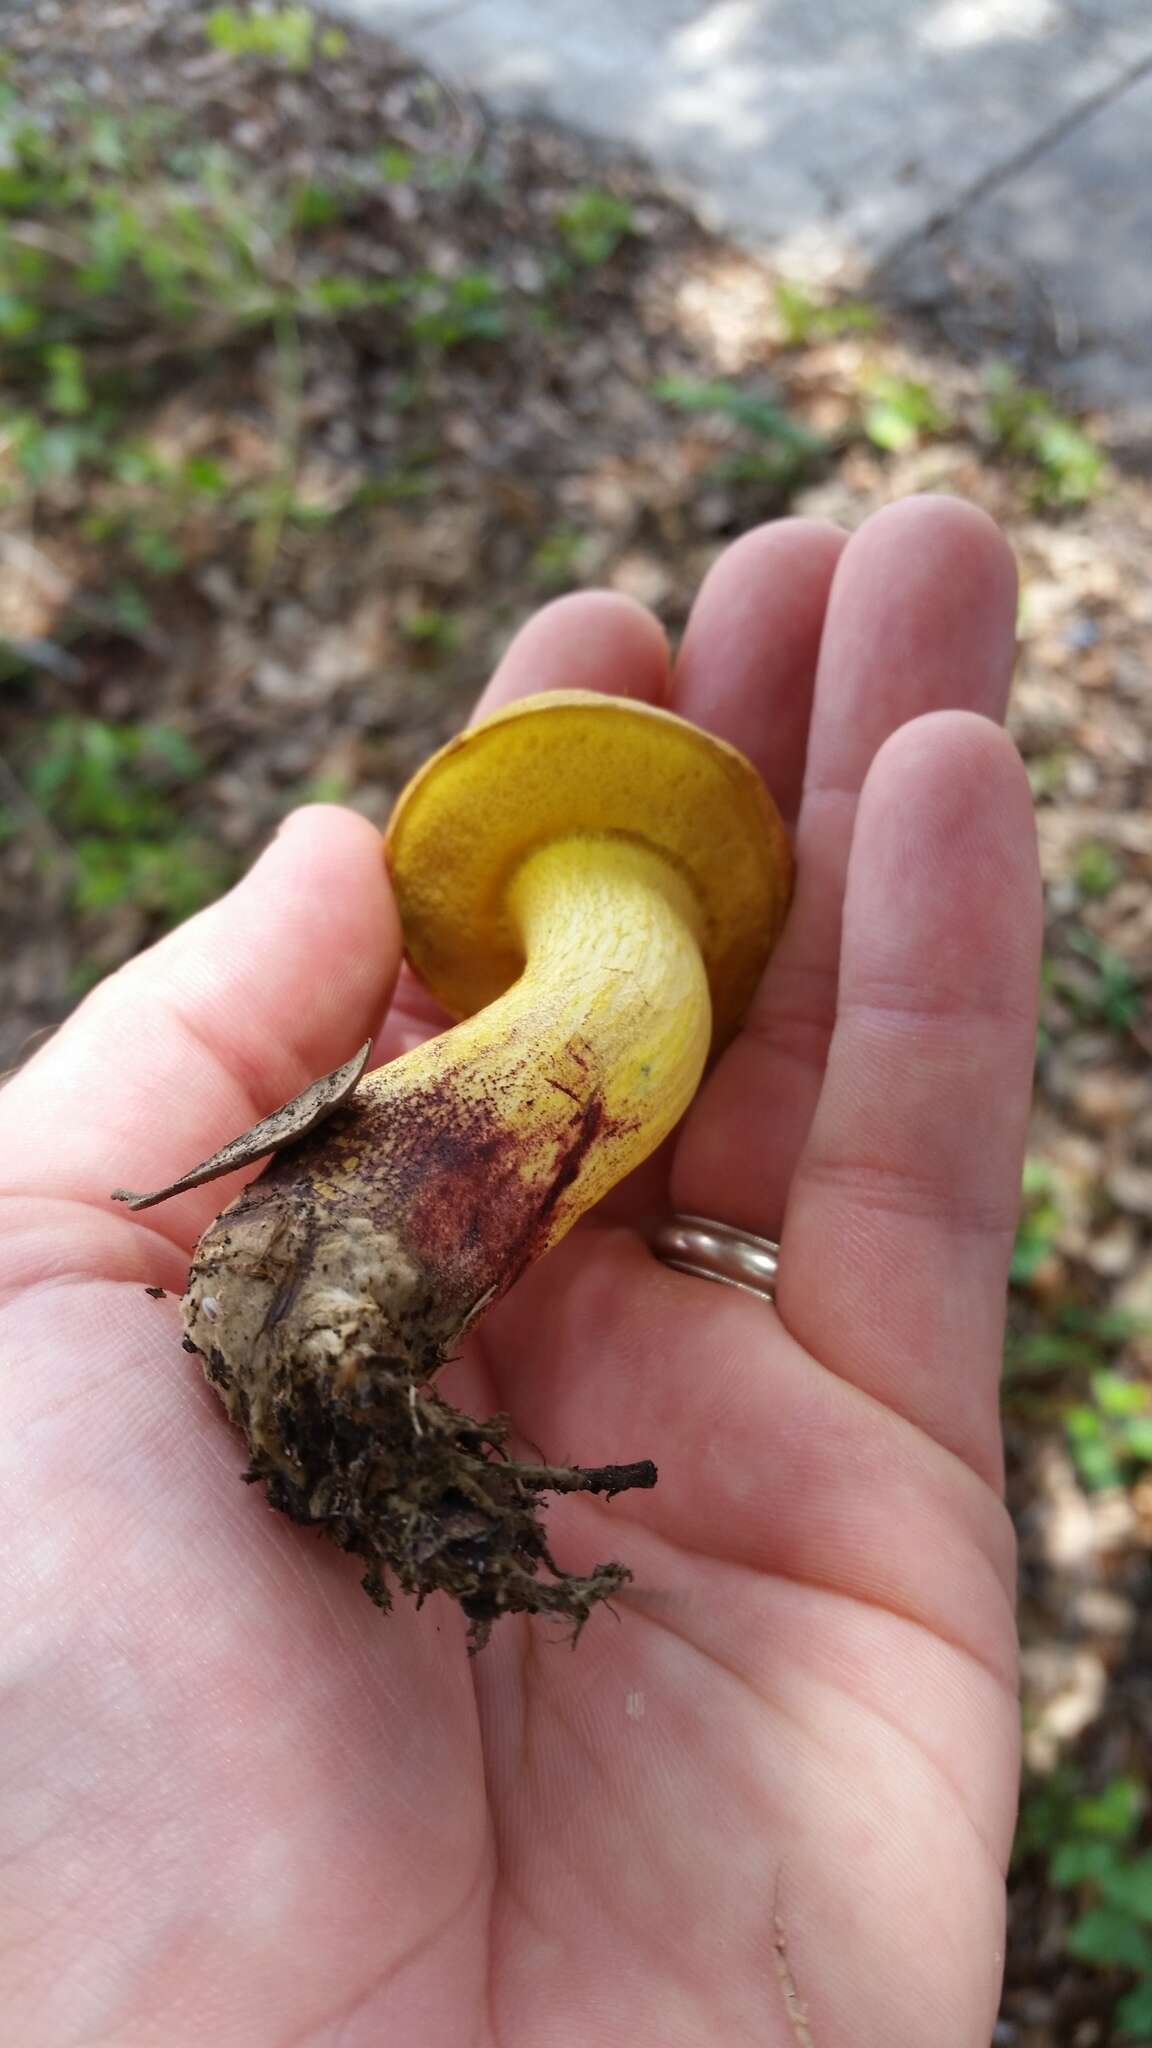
<point x="593" y="224"/>
<point x="448" y="312"/>
<point x="155" y="550"/>
<point x="1110" y="1937"/>
<point x="1116" y="1396"/>
<point x="1047" y="1351"/>
<point x="204" y="476"/>
<point x="106" y="142"/>
<point x="22" y="191"/>
<point x="130" y="608"/>
<point x="18" y="316"/>
<point x="173" y="750"/>
<point x="1134" y="2015"/>
<point x="395" y="165"/>
<point x="803" y="318"/>
<point x="1128" y="1887"/>
<point x="281" y="34"/>
<point x="316" y="206"/>
<point x="1136" y="1438"/>
<point x="347" y="294"/>
<point x="1082" y="1863"/>
<point x="67" y="389"/>
<point x="1069" y="468"/>
<point x="900" y="412"/>
<point x="762" y="416"/>
<point x="1092" y="1447"/>
<point x="1113" y="1814"/>
<point x="1095" y="869"/>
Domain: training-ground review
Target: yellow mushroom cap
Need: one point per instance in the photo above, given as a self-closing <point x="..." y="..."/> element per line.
<point x="567" y="764"/>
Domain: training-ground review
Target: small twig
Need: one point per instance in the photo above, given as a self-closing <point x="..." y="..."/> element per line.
<point x="605" y="1479"/>
<point x="269" y="529"/>
<point x="69" y="249"/>
<point x="45" y="655"/>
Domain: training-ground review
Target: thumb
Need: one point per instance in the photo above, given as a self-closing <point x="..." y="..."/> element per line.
<point x="230" y="1015"/>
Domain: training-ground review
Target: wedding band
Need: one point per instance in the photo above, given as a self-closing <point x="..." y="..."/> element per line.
<point x="715" y="1251"/>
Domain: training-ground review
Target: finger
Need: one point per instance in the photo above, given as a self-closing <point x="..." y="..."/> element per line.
<point x="921" y="617"/>
<point x="593" y="640"/>
<point x="747" y="667"/>
<point x="227" y="1017"/>
<point x="901" y="1219"/>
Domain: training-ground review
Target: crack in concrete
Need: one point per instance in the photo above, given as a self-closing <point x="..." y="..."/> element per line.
<point x="452" y="12"/>
<point x="1022" y="159"/>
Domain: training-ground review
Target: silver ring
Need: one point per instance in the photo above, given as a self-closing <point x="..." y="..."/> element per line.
<point x="715" y="1251"/>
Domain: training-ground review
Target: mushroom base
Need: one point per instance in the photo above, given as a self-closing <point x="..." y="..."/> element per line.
<point x="321" y="1339"/>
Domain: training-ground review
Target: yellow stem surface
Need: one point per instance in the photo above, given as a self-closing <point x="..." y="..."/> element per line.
<point x="574" y="1076"/>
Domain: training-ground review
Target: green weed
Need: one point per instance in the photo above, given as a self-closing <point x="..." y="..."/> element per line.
<point x="1095" y="869"/>
<point x="1021" y="421"/>
<point x="396" y="166"/>
<point x="1110" y="1435"/>
<point x="429" y="629"/>
<point x="782" y="449"/>
<point x="558" y="560"/>
<point x="108" y="793"/>
<point x="593" y="224"/>
<point x="1090" y="1844"/>
<point x="121" y="234"/>
<point x="899" y="413"/>
<point x="1103" y="990"/>
<point x="445" y="312"/>
<point x="804" y="318"/>
<point x="1040" y="1222"/>
<point x="1077" y="1339"/>
<point x="279" y="35"/>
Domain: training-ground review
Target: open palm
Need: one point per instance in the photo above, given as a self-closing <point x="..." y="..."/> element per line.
<point x="768" y="1799"/>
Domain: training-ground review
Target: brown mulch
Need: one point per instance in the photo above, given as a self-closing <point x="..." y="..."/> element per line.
<point x="436" y="496"/>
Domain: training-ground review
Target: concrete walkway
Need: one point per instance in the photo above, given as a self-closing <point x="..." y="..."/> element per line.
<point x="1012" y="133"/>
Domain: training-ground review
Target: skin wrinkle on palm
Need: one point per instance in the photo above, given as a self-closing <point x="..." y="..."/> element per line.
<point x="819" y="1628"/>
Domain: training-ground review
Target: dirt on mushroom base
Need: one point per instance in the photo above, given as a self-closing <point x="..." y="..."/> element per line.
<point x="322" y="1336"/>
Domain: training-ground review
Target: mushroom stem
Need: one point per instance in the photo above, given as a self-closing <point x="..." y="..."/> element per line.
<point x="462" y="1161"/>
<point x="494" y="1138"/>
<point x="325" y="1298"/>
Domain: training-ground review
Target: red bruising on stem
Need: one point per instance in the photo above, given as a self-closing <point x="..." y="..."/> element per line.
<point x="469" y="1194"/>
<point x="590" y="1122"/>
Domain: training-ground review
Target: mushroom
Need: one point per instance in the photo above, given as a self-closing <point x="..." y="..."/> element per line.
<point x="594" y="886"/>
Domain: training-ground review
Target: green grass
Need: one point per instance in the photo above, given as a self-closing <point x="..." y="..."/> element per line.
<point x="282" y="35"/>
<point x="1095" y="869"/>
<point x="805" y="319"/>
<point x="1023" y="423"/>
<point x="1110" y="1434"/>
<point x="1104" y="989"/>
<point x="778" y="451"/>
<point x="110" y="797"/>
<point x="900" y="412"/>
<point x="592" y="224"/>
<point x="133" y="253"/>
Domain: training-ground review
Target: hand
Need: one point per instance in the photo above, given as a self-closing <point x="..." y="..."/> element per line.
<point x="237" y="1805"/>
